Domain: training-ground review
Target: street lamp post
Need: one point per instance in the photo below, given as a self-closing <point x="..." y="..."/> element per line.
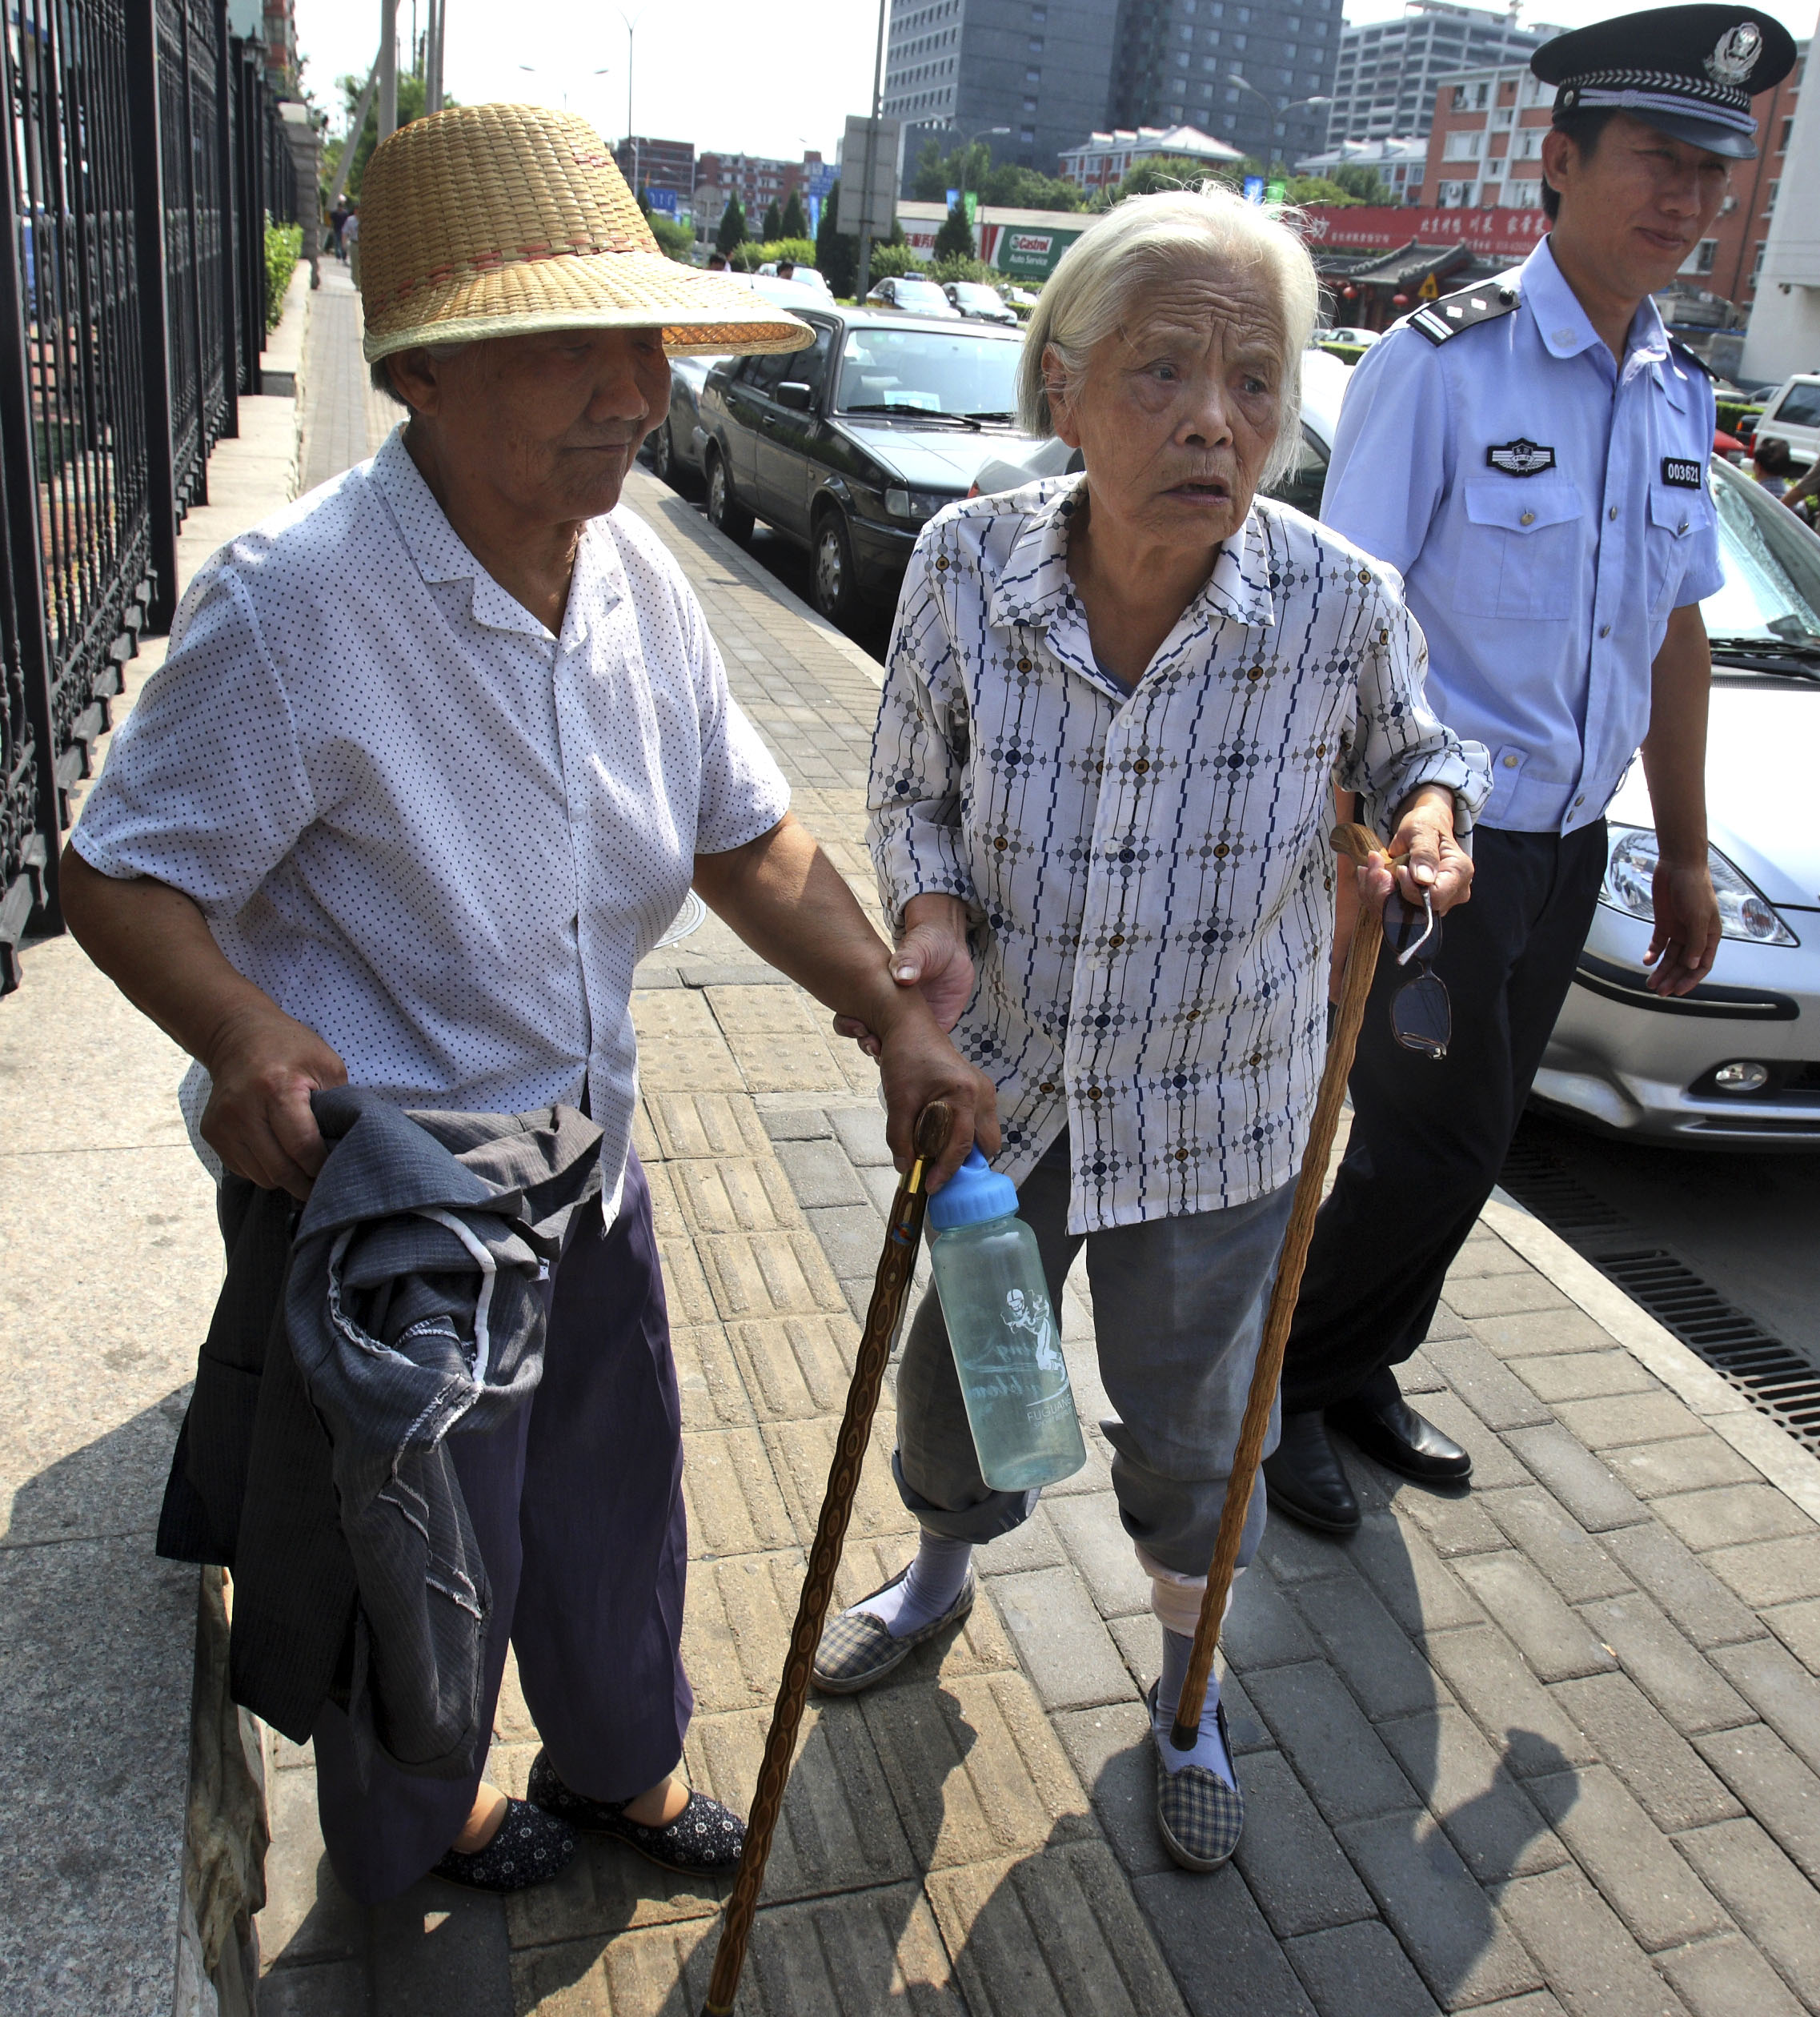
<point x="632" y="21"/>
<point x="536" y="70"/>
<point x="1276" y="111"/>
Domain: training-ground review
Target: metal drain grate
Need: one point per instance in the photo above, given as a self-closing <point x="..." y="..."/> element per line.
<point x="1774" y="1378"/>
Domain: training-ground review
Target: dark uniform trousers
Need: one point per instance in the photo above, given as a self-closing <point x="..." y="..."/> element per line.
<point x="1428" y="1137"/>
<point x="577" y="1503"/>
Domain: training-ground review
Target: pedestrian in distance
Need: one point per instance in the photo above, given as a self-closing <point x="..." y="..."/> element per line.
<point x="437" y="755"/>
<point x="350" y="241"/>
<point x="1773" y="467"/>
<point x="717" y="263"/>
<point x="1114" y="707"/>
<point x="338" y="217"/>
<point x="1530" y="454"/>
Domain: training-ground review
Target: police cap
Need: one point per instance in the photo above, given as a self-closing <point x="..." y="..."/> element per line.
<point x="1689" y="72"/>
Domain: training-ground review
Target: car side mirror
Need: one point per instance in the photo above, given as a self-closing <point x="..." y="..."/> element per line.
<point x="790" y="393"/>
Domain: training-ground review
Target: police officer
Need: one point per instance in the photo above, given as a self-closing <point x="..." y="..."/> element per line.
<point x="1531" y="453"/>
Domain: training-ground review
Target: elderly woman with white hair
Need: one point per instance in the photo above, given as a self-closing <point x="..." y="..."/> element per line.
<point x="1117" y="708"/>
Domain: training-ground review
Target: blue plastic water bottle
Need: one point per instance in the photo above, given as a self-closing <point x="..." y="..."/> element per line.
<point x="1007" y="1342"/>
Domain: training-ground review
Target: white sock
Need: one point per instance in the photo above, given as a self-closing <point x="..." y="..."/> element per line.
<point x="1209" y="1750"/>
<point x="936" y="1578"/>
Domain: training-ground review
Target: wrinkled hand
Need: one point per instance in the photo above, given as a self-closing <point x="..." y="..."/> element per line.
<point x="264" y="1066"/>
<point x="1429" y="859"/>
<point x="917" y="1065"/>
<point x="1685" y="941"/>
<point x="932" y="956"/>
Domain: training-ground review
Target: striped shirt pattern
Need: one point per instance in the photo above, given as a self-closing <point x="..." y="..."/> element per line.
<point x="1148" y="873"/>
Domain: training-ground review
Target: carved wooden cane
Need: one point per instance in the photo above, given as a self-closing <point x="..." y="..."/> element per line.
<point x="896" y="1266"/>
<point x="1357" y="843"/>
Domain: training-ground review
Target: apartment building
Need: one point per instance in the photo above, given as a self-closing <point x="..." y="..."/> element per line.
<point x="1389" y="71"/>
<point x="1781" y="275"/>
<point x="1103" y="160"/>
<point x="648" y="163"/>
<point x="756" y="179"/>
<point x="1040" y="69"/>
<point x="1402" y="164"/>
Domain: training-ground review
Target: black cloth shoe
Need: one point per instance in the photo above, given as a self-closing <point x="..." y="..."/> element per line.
<point x="1304" y="1478"/>
<point x="528" y="1847"/>
<point x="704" y="1840"/>
<point x="1402" y="1440"/>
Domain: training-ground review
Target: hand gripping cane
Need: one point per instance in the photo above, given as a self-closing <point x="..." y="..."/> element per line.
<point x="1357" y="843"/>
<point x="896" y="1266"/>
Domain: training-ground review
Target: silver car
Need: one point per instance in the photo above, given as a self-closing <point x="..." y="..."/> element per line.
<point x="1735" y="1065"/>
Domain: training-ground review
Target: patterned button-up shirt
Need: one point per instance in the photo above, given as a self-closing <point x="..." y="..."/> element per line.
<point x="1148" y="871"/>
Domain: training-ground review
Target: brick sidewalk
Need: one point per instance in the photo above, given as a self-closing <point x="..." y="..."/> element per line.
<point x="1549" y="1746"/>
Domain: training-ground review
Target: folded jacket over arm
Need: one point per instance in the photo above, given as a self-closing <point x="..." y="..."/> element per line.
<point x="409" y="1303"/>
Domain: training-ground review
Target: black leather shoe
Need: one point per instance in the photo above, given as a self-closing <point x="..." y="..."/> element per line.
<point x="1402" y="1440"/>
<point x="1304" y="1478"/>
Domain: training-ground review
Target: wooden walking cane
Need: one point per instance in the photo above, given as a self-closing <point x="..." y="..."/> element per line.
<point x="895" y="1266"/>
<point x="1357" y="843"/>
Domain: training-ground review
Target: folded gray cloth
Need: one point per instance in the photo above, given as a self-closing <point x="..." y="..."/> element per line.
<point x="415" y="1309"/>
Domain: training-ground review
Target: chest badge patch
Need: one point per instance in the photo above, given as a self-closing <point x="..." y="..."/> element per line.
<point x="1521" y="458"/>
<point x="1681" y="473"/>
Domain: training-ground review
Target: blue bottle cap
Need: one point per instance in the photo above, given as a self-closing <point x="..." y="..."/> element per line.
<point x="974" y="1193"/>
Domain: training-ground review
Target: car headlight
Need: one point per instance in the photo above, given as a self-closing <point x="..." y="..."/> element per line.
<point x="916" y="505"/>
<point x="1745" y="912"/>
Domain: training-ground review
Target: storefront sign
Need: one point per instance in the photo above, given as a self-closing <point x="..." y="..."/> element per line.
<point x="1373" y="227"/>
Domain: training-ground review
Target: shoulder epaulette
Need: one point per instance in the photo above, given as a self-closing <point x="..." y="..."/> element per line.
<point x="1437" y="320"/>
<point x="1692" y="357"/>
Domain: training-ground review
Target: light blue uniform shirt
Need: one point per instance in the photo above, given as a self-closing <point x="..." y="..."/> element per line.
<point x="1544" y="596"/>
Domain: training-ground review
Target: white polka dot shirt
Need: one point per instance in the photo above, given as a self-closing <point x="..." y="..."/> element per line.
<point x="429" y="830"/>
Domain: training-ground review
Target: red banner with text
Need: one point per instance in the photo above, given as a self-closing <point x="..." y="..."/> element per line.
<point x="1372" y="227"/>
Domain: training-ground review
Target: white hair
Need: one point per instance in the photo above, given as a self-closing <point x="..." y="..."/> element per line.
<point x="1104" y="279"/>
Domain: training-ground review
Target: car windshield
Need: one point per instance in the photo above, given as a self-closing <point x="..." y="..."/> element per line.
<point x="980" y="297"/>
<point x="1772" y="570"/>
<point x="957" y="371"/>
<point x="1800" y="408"/>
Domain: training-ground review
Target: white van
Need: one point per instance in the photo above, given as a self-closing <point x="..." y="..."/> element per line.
<point x="1793" y="416"/>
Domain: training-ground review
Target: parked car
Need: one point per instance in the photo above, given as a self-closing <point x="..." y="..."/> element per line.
<point x="848" y="448"/>
<point x="978" y="303"/>
<point x="674" y="448"/>
<point x="1736" y="1064"/>
<point x="1363" y="338"/>
<point x="911" y="294"/>
<point x="805" y="276"/>
<point x="1793" y="416"/>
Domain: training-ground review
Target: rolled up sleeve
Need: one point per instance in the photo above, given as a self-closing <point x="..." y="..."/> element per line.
<point x="920" y="753"/>
<point x="206" y="787"/>
<point x="1397" y="744"/>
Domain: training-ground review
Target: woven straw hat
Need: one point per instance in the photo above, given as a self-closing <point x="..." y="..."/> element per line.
<point x="499" y="220"/>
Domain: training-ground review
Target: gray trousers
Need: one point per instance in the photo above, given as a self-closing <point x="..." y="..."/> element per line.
<point x="1178" y="1315"/>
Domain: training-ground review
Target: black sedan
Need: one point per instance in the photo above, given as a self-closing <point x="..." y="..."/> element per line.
<point x="849" y="448"/>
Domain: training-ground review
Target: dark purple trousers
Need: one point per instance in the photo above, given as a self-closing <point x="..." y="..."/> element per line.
<point x="577" y="1504"/>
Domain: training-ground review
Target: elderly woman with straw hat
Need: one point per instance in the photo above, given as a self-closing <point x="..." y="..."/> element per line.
<point x="1115" y="709"/>
<point x="437" y="753"/>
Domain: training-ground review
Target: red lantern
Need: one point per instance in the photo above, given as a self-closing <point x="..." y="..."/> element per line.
<point x="1349" y="292"/>
<point x="1399" y="301"/>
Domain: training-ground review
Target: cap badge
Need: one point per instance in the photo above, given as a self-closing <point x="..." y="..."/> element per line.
<point x="1735" y="54"/>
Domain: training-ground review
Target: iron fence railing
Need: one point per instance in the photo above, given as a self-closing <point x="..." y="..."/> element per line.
<point x="141" y="151"/>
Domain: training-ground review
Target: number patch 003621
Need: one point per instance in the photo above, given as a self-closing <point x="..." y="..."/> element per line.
<point x="1681" y="472"/>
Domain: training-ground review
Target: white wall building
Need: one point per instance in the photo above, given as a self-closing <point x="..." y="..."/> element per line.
<point x="1104" y="159"/>
<point x="1784" y="335"/>
<point x="1401" y="163"/>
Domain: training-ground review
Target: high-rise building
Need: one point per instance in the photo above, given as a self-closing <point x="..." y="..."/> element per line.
<point x="1040" y="69"/>
<point x="1389" y="71"/>
<point x="1243" y="73"/>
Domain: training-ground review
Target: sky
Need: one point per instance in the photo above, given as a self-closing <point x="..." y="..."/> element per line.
<point x="765" y="77"/>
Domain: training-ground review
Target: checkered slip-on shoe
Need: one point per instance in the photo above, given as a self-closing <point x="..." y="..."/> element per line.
<point x="704" y="1840"/>
<point x="1200" y="1816"/>
<point x="857" y="1649"/>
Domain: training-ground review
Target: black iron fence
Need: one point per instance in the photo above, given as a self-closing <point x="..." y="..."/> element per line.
<point x="140" y="153"/>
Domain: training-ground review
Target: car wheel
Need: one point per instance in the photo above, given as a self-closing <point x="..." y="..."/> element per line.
<point x="836" y="590"/>
<point x="725" y="513"/>
<point x="663" y="453"/>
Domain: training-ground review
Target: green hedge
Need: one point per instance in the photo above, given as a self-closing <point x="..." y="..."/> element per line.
<point x="1734" y="411"/>
<point x="1347" y="353"/>
<point x="284" y="247"/>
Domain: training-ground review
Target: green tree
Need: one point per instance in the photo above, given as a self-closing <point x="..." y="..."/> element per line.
<point x="796" y="224"/>
<point x="409" y="107"/>
<point x="732" y="231"/>
<point x="1010" y="187"/>
<point x="965" y="269"/>
<point x="1317" y="189"/>
<point x="773" y="225"/>
<point x="673" y="239"/>
<point x="955" y="239"/>
<point x="837" y="255"/>
<point x="1164" y="171"/>
<point x="1364" y="185"/>
<point x="889" y="260"/>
